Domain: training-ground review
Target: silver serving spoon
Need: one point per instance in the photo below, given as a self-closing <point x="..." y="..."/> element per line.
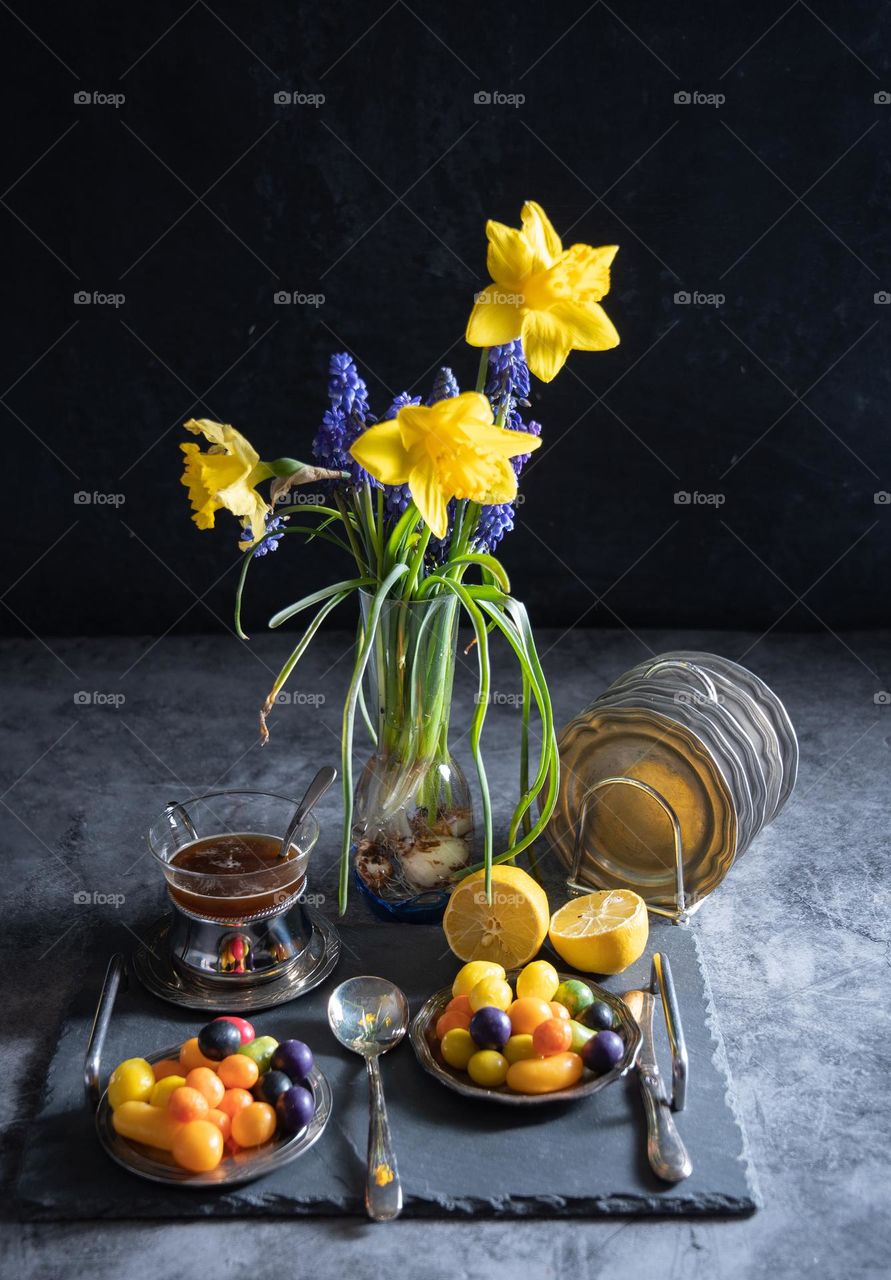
<point x="313" y="794"/>
<point x="370" y="1016"/>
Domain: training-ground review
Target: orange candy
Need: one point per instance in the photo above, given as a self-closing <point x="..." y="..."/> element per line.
<point x="449" y="1020"/>
<point x="559" y="1011"/>
<point x="208" y="1083"/>
<point x="459" y="1004"/>
<point x="253" y="1125"/>
<point x="190" y="1056"/>
<point x="167" y="1067"/>
<point x="526" y="1013"/>
<point x="235" y="1100"/>
<point x="238" y="1071"/>
<point x="553" y="1036"/>
<point x="198" y="1146"/>
<point x="187" y="1104"/>
<point x="221" y="1120"/>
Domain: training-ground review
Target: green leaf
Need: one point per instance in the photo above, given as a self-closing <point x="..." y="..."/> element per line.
<point x="316" y="597"/>
<point x="349" y="719"/>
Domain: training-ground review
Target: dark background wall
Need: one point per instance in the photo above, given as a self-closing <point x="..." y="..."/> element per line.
<point x="199" y="197"/>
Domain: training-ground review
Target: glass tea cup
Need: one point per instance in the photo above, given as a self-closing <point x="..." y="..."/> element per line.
<point x="219" y="854"/>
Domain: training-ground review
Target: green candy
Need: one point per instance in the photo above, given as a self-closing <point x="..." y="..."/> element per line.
<point x="574" y="995"/>
<point x="580" y="1035"/>
<point x="261" y="1050"/>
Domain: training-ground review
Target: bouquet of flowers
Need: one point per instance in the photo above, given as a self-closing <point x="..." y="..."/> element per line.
<point x="420" y="499"/>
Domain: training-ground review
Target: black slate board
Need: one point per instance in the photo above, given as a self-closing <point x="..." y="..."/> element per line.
<point x="456" y="1157"/>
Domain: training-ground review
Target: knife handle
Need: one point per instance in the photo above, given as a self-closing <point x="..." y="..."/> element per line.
<point x="669" y="1158"/>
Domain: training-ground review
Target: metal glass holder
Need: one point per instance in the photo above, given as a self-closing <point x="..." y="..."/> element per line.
<point x="678" y="914"/>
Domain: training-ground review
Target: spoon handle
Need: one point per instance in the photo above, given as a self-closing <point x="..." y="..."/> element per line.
<point x="383" y="1190"/>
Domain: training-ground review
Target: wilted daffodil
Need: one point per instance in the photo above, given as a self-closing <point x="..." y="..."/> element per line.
<point x="450" y="449"/>
<point x="547" y="295"/>
<point x="225" y="477"/>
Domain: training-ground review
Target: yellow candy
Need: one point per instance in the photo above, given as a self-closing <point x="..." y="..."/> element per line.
<point x="545" y="1075"/>
<point x="539" y="979"/>
<point x="488" y="1068"/>
<point x="491" y="991"/>
<point x="457" y="1048"/>
<point x="160" y="1095"/>
<point x="141" y="1122"/>
<point x="518" y="1048"/>
<point x="470" y="974"/>
<point x="131" y="1081"/>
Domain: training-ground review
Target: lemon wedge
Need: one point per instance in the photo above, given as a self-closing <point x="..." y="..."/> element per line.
<point x="602" y="932"/>
<point x="509" y="930"/>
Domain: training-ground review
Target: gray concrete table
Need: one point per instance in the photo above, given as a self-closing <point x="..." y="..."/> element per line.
<point x="796" y="941"/>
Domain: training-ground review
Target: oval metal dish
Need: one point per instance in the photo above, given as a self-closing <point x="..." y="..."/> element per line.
<point x="232" y="1171"/>
<point x="423" y="1042"/>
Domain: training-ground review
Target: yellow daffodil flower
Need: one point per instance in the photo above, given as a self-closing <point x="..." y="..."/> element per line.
<point x="225" y="477"/>
<point x="547" y="295"/>
<point x="451" y="449"/>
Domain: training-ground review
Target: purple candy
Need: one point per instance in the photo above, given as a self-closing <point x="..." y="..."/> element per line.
<point x="296" y="1108"/>
<point x="294" y="1058"/>
<point x="490" y="1027"/>
<point x="603" y="1051"/>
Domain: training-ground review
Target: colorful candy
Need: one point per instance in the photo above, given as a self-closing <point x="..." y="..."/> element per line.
<point x="539" y="979"/>
<point x="199" y="1105"/>
<point x="238" y="1071"/>
<point x="198" y="1146"/>
<point x="574" y="995"/>
<point x="490" y="1028"/>
<point x="526" y="1013"/>
<point x="472" y="973"/>
<point x="245" y="1030"/>
<point x="458" y="1047"/>
<point x="141" y="1122"/>
<point x="294" y="1058"/>
<point x="254" y="1125"/>
<point x="260" y="1050"/>
<point x="295" y="1108"/>
<point x="603" y="1052"/>
<point x="492" y="991"/>
<point x="488" y="1068"/>
<point x="219" y="1038"/>
<point x="132" y="1081"/>
<point x="537" y="1041"/>
<point x="545" y="1075"/>
<point x="553" y="1036"/>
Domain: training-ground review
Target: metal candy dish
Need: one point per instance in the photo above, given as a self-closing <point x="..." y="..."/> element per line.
<point x="423" y="1041"/>
<point x="158" y="1166"/>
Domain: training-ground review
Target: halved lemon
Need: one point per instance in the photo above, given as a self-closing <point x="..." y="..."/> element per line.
<point x="509" y="930"/>
<point x="602" y="932"/>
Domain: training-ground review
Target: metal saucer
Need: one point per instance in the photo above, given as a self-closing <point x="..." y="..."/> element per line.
<point x="153" y="966"/>
<point x="423" y="1042"/>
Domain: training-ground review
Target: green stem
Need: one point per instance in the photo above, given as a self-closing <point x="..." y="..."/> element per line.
<point x="349" y="719"/>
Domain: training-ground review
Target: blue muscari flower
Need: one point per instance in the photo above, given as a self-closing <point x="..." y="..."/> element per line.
<point x="445" y="386"/>
<point x="508" y="374"/>
<point x="346" y="389"/>
<point x="344" y="421"/>
<point x="269" y="543"/>
<point x="507" y="386"/>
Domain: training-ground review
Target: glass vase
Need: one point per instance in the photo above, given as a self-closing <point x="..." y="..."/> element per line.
<point x="413" y="816"/>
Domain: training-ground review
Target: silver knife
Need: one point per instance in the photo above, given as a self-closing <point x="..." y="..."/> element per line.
<point x="667" y="1154"/>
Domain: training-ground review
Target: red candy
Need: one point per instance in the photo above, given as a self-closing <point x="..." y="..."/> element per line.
<point x="245" y="1029"/>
